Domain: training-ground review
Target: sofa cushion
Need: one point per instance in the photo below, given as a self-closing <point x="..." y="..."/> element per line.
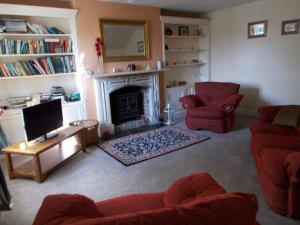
<point x="56" y="208"/>
<point x="190" y="188"/>
<point x="208" y="112"/>
<point x="262" y="127"/>
<point x="273" y="164"/>
<point x="260" y="141"/>
<point x="288" y="116"/>
<point x="218" y="210"/>
<point x="130" y="204"/>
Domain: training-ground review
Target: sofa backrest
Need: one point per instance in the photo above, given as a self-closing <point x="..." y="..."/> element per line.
<point x="225" y="209"/>
<point x="212" y="93"/>
<point x="191" y="187"/>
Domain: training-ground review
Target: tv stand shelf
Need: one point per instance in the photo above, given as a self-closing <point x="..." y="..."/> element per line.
<point x="61" y="148"/>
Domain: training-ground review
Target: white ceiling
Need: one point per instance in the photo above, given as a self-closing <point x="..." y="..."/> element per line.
<point x="187" y="5"/>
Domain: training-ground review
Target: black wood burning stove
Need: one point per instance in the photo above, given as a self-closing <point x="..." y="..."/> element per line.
<point x="126" y="104"/>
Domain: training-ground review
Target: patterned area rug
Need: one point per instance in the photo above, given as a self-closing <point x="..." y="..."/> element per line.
<point x="142" y="146"/>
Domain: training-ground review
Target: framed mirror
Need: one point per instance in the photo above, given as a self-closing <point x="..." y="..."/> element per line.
<point x="124" y="40"/>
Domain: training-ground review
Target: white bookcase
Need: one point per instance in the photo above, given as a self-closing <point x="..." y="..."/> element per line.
<point x="64" y="20"/>
<point x="187" y="56"/>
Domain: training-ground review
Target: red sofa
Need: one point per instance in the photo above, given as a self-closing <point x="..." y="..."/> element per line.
<point x="192" y="200"/>
<point x="212" y="107"/>
<point x="276" y="150"/>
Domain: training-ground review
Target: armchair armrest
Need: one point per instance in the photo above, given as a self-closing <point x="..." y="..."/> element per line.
<point x="230" y="103"/>
<point x="292" y="163"/>
<point x="58" y="207"/>
<point x="268" y="113"/>
<point x="190" y="101"/>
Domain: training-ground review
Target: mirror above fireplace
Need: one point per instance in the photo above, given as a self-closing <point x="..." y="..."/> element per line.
<point x="124" y="40"/>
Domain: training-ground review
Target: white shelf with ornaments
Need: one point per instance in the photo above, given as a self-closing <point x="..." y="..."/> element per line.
<point x="186" y="52"/>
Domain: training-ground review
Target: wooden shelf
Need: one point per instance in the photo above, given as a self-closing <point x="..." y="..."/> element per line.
<point x="33" y="35"/>
<point x="187" y="64"/>
<point x="45" y="155"/>
<point x="38" y="76"/>
<point x="177" y="36"/>
<point x="35" y="55"/>
<point x="185" y="50"/>
<point x="49" y="160"/>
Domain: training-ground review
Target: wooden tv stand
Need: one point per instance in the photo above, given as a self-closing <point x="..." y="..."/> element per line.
<point x="45" y="155"/>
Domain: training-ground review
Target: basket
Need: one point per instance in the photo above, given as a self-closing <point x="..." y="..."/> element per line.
<point x="90" y="133"/>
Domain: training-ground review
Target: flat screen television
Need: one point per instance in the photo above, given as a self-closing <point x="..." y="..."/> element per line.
<point x="42" y="119"/>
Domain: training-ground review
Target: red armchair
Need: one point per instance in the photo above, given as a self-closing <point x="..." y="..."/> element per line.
<point x="212" y="107"/>
<point x="192" y="200"/>
<point x="276" y="150"/>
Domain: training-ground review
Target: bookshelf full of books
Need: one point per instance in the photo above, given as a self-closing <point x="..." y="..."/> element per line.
<point x="40" y="44"/>
<point x="33" y="49"/>
<point x="38" y="51"/>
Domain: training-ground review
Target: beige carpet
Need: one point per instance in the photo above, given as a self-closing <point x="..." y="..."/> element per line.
<point x="226" y="157"/>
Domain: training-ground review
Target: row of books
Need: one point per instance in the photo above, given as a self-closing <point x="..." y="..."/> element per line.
<point x="48" y="45"/>
<point x="40" y="66"/>
<point x="39" y="29"/>
<point x="15" y="25"/>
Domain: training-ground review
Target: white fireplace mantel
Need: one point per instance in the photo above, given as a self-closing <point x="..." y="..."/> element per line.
<point x="106" y="83"/>
<point x="126" y="73"/>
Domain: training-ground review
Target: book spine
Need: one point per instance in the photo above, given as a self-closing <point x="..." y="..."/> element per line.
<point x="50" y="65"/>
<point x="40" y="68"/>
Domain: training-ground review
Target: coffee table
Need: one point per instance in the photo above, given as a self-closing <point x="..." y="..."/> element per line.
<point x="46" y="155"/>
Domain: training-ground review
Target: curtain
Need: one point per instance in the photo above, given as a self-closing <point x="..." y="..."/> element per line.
<point x="3" y="139"/>
<point x="4" y="193"/>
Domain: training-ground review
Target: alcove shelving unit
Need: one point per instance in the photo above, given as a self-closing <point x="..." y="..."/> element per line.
<point x="21" y="81"/>
<point x="186" y="54"/>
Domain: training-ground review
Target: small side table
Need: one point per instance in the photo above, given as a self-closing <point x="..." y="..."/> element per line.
<point x="90" y="132"/>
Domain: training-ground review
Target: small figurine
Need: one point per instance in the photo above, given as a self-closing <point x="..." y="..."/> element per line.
<point x="168" y="31"/>
<point x="131" y="67"/>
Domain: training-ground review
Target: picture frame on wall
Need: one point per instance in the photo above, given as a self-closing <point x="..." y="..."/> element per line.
<point x="183" y="30"/>
<point x="258" y="29"/>
<point x="140" y="46"/>
<point x="290" y="27"/>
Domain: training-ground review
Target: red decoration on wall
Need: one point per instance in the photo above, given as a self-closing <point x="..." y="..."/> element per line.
<point x="99" y="46"/>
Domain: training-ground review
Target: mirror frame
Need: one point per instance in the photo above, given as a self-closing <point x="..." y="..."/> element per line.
<point x="144" y="24"/>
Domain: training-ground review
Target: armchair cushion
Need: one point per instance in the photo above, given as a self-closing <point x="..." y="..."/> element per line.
<point x="191" y="187"/>
<point x="212" y="93"/>
<point x="207" y="112"/>
<point x="190" y="101"/>
<point x="230" y="103"/>
<point x="292" y="162"/>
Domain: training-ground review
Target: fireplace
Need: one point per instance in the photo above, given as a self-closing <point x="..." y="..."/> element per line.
<point x="127" y="99"/>
<point x="126" y="104"/>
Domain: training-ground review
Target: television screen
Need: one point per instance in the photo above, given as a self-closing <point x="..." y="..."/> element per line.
<point x="42" y="119"/>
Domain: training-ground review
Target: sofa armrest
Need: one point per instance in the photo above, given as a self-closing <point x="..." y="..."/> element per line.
<point x="292" y="163"/>
<point x="230" y="103"/>
<point x="190" y="101"/>
<point x="268" y="113"/>
<point x="56" y="208"/>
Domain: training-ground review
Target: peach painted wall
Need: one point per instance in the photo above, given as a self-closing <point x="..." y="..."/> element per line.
<point x="90" y="11"/>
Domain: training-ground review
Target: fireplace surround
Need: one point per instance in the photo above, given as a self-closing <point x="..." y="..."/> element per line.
<point x="145" y="84"/>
